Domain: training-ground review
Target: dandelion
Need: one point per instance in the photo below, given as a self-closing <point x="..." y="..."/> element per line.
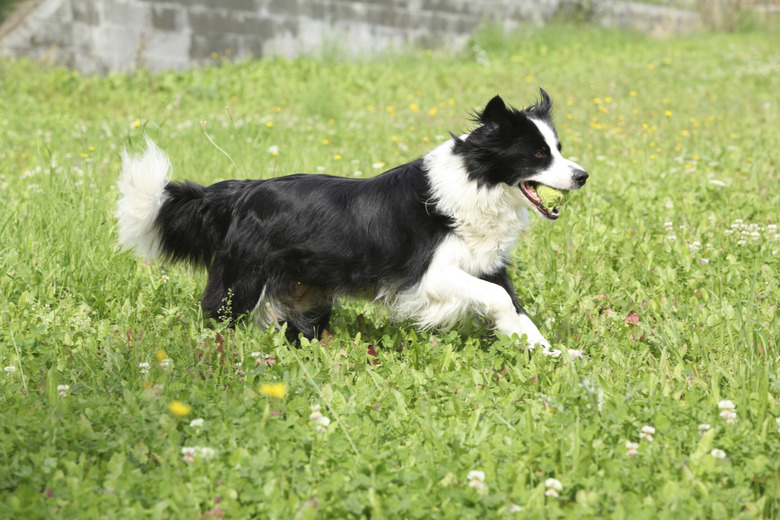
<point x="718" y="453"/>
<point x="432" y="111"/>
<point x="269" y="124"/>
<point x="136" y="123"/>
<point x="704" y="428"/>
<point x="277" y="390"/>
<point x="633" y="448"/>
<point x="63" y="390"/>
<point x="647" y="433"/>
<point x="10" y="369"/>
<point x="553" y="486"/>
<point x="476" y="479"/>
<point x="179" y="409"/>
<point x="144" y="367"/>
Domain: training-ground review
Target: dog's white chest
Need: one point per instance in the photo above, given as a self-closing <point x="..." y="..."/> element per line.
<point x="486" y="243"/>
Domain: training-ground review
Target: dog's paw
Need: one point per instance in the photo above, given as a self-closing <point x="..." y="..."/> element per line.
<point x="532" y="342"/>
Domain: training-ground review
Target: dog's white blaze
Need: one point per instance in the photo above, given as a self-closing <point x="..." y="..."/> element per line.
<point x="559" y="174"/>
<point x="142" y="188"/>
<point x="487" y="224"/>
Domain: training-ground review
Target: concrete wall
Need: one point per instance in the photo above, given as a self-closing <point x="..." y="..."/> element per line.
<point x="120" y="35"/>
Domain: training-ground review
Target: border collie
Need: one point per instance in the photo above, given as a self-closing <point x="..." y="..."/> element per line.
<point x="431" y="238"/>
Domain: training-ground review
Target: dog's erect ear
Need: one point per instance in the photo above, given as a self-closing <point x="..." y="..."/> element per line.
<point x="545" y="105"/>
<point x="495" y="112"/>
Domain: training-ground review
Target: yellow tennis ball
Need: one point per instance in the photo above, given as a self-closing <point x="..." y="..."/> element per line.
<point x="550" y="197"/>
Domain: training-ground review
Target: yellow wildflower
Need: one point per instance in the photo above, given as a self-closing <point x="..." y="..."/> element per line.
<point x="277" y="390"/>
<point x="179" y="409"/>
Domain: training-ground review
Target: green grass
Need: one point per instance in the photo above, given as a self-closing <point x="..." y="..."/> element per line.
<point x="680" y="138"/>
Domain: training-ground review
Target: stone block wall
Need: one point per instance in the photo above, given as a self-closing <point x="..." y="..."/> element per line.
<point x="122" y="35"/>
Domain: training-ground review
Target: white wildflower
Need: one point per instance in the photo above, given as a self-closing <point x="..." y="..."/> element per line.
<point x="576" y="354"/>
<point x="476" y="479"/>
<point x="190" y="453"/>
<point x="647" y="432"/>
<point x="197" y="423"/>
<point x="63" y="390"/>
<point x="475" y="474"/>
<point x="703" y="428"/>
<point x="273" y="149"/>
<point x="718" y="454"/>
<point x="320" y="421"/>
<point x="10" y="369"/>
<point x="165" y="363"/>
<point x="729" y="416"/>
<point x="144" y="367"/>
<point x="633" y="448"/>
<point x="553" y="483"/>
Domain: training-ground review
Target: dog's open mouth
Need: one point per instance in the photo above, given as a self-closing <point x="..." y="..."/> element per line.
<point x="529" y="190"/>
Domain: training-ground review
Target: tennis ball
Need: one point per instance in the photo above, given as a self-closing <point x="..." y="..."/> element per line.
<point x="550" y="197"/>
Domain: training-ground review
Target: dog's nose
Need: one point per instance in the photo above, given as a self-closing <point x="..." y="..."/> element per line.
<point x="580" y="176"/>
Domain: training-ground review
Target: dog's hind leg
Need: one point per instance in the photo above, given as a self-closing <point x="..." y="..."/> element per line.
<point x="306" y="309"/>
<point x="232" y="290"/>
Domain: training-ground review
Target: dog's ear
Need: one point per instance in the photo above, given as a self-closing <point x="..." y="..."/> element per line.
<point x="543" y="107"/>
<point x="495" y="112"/>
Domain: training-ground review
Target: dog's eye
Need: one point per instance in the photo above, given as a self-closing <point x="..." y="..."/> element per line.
<point x="540" y="154"/>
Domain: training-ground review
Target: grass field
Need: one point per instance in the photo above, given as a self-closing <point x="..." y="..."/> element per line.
<point x="659" y="284"/>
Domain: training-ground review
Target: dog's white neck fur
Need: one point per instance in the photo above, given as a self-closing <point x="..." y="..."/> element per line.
<point x="488" y="220"/>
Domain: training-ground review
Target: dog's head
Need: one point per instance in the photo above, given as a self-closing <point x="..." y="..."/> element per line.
<point x="519" y="148"/>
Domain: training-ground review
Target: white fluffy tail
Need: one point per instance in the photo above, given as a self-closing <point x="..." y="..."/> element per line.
<point x="142" y="187"/>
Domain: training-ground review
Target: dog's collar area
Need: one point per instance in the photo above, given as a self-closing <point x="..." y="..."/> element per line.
<point x="528" y="188"/>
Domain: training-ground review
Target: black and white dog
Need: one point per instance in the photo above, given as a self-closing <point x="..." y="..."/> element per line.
<point x="431" y="238"/>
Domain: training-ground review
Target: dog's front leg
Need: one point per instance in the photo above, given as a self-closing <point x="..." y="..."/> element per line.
<point x="501" y="278"/>
<point x="492" y="297"/>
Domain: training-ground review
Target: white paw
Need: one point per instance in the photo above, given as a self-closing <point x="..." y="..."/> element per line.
<point x="537" y="341"/>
